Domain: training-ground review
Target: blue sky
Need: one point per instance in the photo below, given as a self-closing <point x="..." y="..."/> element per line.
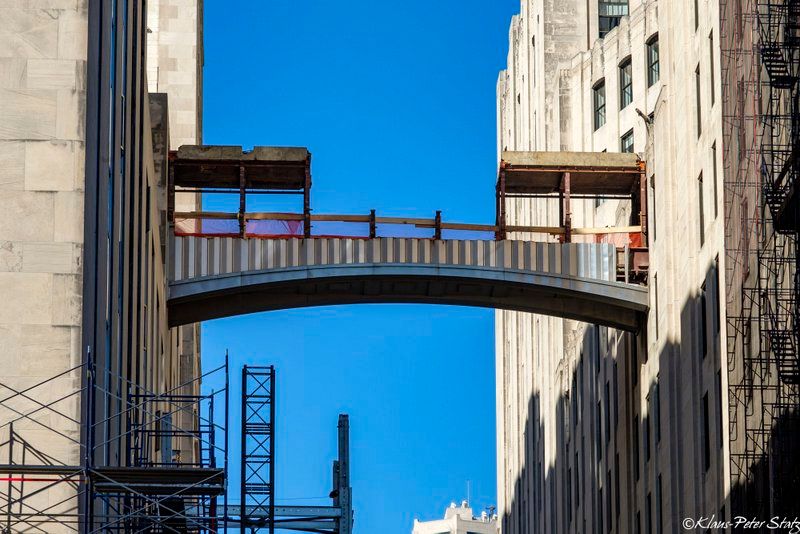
<point x="395" y="100"/>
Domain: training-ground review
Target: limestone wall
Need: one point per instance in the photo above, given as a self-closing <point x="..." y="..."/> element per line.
<point x="42" y="106"/>
<point x="561" y="384"/>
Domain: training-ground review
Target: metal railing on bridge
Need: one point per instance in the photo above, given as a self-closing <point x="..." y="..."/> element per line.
<point x="549" y="176"/>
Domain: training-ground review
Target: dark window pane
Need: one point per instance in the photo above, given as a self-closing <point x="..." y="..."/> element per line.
<point x="626" y="142"/>
<point x="625" y="84"/>
<point x="652" y="61"/>
<point x="610" y="13"/>
<point x="599" y="101"/>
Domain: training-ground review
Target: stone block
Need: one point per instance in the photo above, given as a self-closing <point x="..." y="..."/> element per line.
<point x="49" y="166"/>
<point x="71" y="115"/>
<point x="10" y="256"/>
<point x="68" y="217"/>
<point x="26" y="298"/>
<point x="73" y="29"/>
<point x="67" y="298"/>
<point x="28" y="33"/>
<point x="12" y="72"/>
<point x="26" y="216"/>
<point x="67" y="5"/>
<point x="34" y="350"/>
<point x="51" y="74"/>
<point x="27" y="114"/>
<point x="50" y="258"/>
<point x="12" y="165"/>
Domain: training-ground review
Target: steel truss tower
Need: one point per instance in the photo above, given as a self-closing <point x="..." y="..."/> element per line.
<point x="258" y="449"/>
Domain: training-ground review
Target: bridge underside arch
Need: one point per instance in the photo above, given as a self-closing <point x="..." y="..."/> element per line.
<point x="601" y="302"/>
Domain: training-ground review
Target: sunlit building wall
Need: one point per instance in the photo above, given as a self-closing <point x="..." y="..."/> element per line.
<point x="600" y="430"/>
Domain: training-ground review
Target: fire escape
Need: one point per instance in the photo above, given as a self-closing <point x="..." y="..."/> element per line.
<point x="779" y="47"/>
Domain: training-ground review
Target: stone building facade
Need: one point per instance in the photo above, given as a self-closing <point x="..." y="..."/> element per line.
<point x="82" y="271"/>
<point x="600" y="430"/>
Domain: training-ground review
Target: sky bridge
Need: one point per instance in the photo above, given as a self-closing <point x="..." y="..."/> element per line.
<point x="228" y="263"/>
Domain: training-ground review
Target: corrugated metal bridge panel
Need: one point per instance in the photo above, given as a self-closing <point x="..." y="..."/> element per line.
<point x="214" y="277"/>
<point x="196" y="257"/>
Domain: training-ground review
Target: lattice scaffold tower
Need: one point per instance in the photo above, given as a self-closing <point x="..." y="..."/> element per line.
<point x="59" y="476"/>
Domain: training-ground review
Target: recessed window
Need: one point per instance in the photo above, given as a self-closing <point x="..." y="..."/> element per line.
<point x="696" y="14"/>
<point x="697" y="87"/>
<point x="711" y="66"/>
<point x="706" y="441"/>
<point x="701" y="209"/>
<point x="599" y="104"/>
<point x="653" y="211"/>
<point x="714" y="176"/>
<point x="703" y="321"/>
<point x="610" y="14"/>
<point x="625" y="84"/>
<point x="652" y="61"/>
<point x="626" y="142"/>
<point x="636" y="446"/>
<point x="659" y="507"/>
<point x="655" y="302"/>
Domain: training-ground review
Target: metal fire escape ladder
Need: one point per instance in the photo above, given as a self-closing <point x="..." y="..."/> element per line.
<point x="779" y="51"/>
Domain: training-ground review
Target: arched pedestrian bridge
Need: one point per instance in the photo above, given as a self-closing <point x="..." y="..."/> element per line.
<point x="224" y="264"/>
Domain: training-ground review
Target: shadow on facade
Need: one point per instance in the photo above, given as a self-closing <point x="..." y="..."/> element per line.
<point x="637" y="446"/>
<point x="773" y="485"/>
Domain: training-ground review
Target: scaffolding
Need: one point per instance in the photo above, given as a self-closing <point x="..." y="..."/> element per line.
<point x="60" y="477"/>
<point x="760" y="68"/>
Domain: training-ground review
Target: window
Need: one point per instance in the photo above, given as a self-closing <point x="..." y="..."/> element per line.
<point x="700" y="209"/>
<point x="660" y="507"/>
<point x="697" y="101"/>
<point x="636" y="446"/>
<point x="625" y="84"/>
<point x="719" y="408"/>
<point x="703" y="321"/>
<point x="616" y="397"/>
<point x="616" y="483"/>
<point x="626" y="142"/>
<point x="711" y="73"/>
<point x="740" y="110"/>
<point x="696" y="14"/>
<point x="608" y="413"/>
<point x="610" y="13"/>
<point x="657" y="408"/>
<point x="599" y="436"/>
<point x="652" y="61"/>
<point x="714" y="178"/>
<point x="655" y="307"/>
<point x="745" y="237"/>
<point x="706" y="441"/>
<point x="575" y="401"/>
<point x="599" y="102"/>
<point x="608" y="501"/>
<point x="647" y="434"/>
<point x="715" y="287"/>
<point x="648" y="514"/>
<point x="654" y="208"/>
<point x="569" y="496"/>
<point x="577" y="481"/>
<point x="600" y="509"/>
<point x="597" y="349"/>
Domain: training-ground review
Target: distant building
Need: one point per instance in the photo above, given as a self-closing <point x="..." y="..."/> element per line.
<point x="458" y="520"/>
